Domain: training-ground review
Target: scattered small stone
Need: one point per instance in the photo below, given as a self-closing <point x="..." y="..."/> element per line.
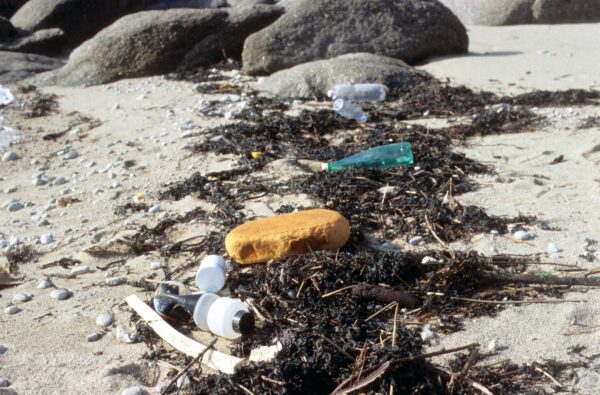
<point x="21" y="297"/>
<point x="155" y="265"/>
<point x="135" y="390"/>
<point x="60" y="294"/>
<point x="9" y="156"/>
<point x="38" y="181"/>
<point x="416" y="240"/>
<point x="492" y="346"/>
<point x="104" y="320"/>
<point x="77" y="270"/>
<point x="522" y="235"/>
<point x="10" y="190"/>
<point x="59" y="181"/>
<point x="70" y="155"/>
<point x="15" y="206"/>
<point x="47" y="239"/>
<point x="43" y="222"/>
<point x="114" y="281"/>
<point x="11" y="310"/>
<point x="154" y="209"/>
<point x="44" y="283"/>
<point x="124" y="336"/>
<point x="4" y="382"/>
<point x="92" y="337"/>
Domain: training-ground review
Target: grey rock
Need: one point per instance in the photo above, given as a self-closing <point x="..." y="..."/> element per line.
<point x="44" y="283"/>
<point x="92" y="337"/>
<point x="59" y="181"/>
<point x="42" y="42"/>
<point x="4" y="382"/>
<point x="416" y="240"/>
<point x="9" y="7"/>
<point x="11" y="310"/>
<point x="161" y="42"/>
<point x="46" y="239"/>
<point x="114" y="281"/>
<point x="123" y="335"/>
<point x="518" y="12"/>
<point x="410" y="30"/>
<point x="314" y="79"/>
<point x="9" y="156"/>
<point x="14" y="206"/>
<point x="71" y="155"/>
<point x="135" y="390"/>
<point x="154" y="209"/>
<point x="104" y="320"/>
<point x="7" y="30"/>
<point x="79" y="19"/>
<point x="60" y="294"/>
<point x="21" y="297"/>
<point x="16" y="66"/>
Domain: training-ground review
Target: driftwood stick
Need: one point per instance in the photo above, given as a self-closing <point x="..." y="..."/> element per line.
<point x="189" y="365"/>
<point x="535" y="279"/>
<point x="385" y="295"/>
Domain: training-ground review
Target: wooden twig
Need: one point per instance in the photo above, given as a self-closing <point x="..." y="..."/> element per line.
<point x="385" y="295"/>
<point x="542" y="371"/>
<point x="337" y="291"/>
<point x="531" y="301"/>
<point x="340" y="349"/>
<point x="394" y="330"/>
<point x="432" y="231"/>
<point x="535" y="279"/>
<point x="214" y="359"/>
<point x="478" y="386"/>
<point x="188" y="366"/>
<point x="270" y="380"/>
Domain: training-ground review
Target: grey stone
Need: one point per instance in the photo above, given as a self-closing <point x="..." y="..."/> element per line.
<point x="11" y="310"/>
<point x="14" y="206"/>
<point x="114" y="281"/>
<point x="4" y="382"/>
<point x="92" y="337"/>
<point x="42" y="42"/>
<point x="519" y="12"/>
<point x="104" y="320"/>
<point x="60" y="294"/>
<point x="44" y="283"/>
<point x="9" y="156"/>
<point x="79" y="19"/>
<point x="161" y="42"/>
<point x="16" y="66"/>
<point x="410" y="30"/>
<point x="314" y="79"/>
<point x="21" y="297"/>
<point x="416" y="240"/>
<point x="46" y="239"/>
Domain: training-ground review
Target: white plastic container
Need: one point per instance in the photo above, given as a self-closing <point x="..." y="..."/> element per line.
<point x="349" y="110"/>
<point x="201" y="309"/>
<point x="359" y="92"/>
<point x="211" y="274"/>
<point x="229" y="318"/>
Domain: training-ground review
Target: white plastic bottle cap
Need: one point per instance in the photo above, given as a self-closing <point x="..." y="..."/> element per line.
<point x="201" y="310"/>
<point x="211" y="274"/>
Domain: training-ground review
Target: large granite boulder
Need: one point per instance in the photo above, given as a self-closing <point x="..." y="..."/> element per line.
<point x="315" y="79"/>
<point x="79" y="19"/>
<point x="42" y="42"/>
<point x="410" y="30"/>
<point x="9" y="7"/>
<point x="158" y="42"/>
<point x="18" y="66"/>
<point x="520" y="12"/>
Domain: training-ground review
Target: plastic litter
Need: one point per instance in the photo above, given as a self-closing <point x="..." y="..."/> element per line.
<point x="211" y="274"/>
<point x="380" y="157"/>
<point x="6" y="97"/>
<point x="223" y="316"/>
<point x="358" y="92"/>
<point x="349" y="110"/>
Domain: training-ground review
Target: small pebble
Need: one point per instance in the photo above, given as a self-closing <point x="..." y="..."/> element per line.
<point x="44" y="283"/>
<point x="92" y="337"/>
<point x="46" y="239"/>
<point x="155" y="265"/>
<point x="21" y="297"/>
<point x="104" y="320"/>
<point x="77" y="270"/>
<point x="9" y="156"/>
<point x="10" y="190"/>
<point x="161" y="387"/>
<point x="114" y="281"/>
<point x="14" y="206"/>
<point x="71" y="155"/>
<point x="154" y="209"/>
<point x="60" y="294"/>
<point x="522" y="235"/>
<point x="416" y="240"/>
<point x="552" y="249"/>
<point x="59" y="181"/>
<point x="135" y="390"/>
<point x="4" y="382"/>
<point x="10" y="310"/>
<point x="492" y="346"/>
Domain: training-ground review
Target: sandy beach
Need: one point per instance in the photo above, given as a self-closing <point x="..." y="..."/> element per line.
<point x="102" y="147"/>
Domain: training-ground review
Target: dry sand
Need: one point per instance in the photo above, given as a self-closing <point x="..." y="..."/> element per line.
<point x="49" y="354"/>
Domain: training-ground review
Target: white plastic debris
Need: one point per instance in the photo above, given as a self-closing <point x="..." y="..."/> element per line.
<point x="125" y="336"/>
<point x="265" y="353"/>
<point x="427" y="334"/>
<point x="522" y="235"/>
<point x="155" y="265"/>
<point x="553" y="249"/>
<point x="492" y="346"/>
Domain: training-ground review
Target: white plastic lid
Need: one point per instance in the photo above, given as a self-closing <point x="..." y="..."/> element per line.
<point x="211" y="274"/>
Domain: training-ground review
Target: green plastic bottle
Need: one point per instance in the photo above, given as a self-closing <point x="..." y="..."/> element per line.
<point x="389" y="155"/>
